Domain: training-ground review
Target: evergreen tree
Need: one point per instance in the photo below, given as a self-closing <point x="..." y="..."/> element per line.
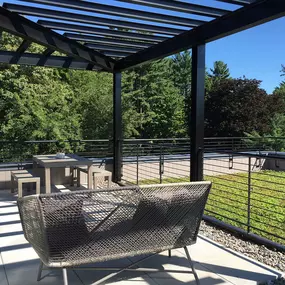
<point x="181" y="72"/>
<point x="157" y="105"/>
<point x="220" y="71"/>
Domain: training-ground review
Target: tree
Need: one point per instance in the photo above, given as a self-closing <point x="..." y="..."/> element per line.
<point x="271" y="140"/>
<point x="236" y="106"/>
<point x="94" y="102"/>
<point x="220" y="71"/>
<point x="181" y="72"/>
<point x="181" y="65"/>
<point x="36" y="104"/>
<point x="155" y="104"/>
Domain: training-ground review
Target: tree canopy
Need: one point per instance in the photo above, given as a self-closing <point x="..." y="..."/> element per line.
<point x="44" y="103"/>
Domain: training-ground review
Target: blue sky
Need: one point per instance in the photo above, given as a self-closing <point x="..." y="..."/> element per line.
<point x="254" y="53"/>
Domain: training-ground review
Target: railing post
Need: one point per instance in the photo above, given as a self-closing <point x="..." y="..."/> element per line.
<point x="248" y="195"/>
<point x="137" y="164"/>
<point x="160" y="165"/>
<point x="117" y="127"/>
<point x="197" y="112"/>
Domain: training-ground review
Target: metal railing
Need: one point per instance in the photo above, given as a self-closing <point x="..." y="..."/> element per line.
<point x="166" y="160"/>
<point x="12" y="151"/>
<point x="153" y="161"/>
<point x="248" y="188"/>
<point x="21" y="152"/>
<point x="248" y="193"/>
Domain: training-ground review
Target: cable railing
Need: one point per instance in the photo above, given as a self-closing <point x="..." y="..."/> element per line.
<point x="248" y="192"/>
<point x="248" y="174"/>
<point x="19" y="152"/>
<point x="165" y="160"/>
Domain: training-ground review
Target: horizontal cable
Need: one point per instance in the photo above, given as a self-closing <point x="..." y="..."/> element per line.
<point x="270" y="219"/>
<point x="225" y="209"/>
<point x="274" y="235"/>
<point x="226" y="217"/>
<point x="225" y="204"/>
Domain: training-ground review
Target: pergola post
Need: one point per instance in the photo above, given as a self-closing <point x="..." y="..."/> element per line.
<point x="117" y="127"/>
<point x="197" y="112"/>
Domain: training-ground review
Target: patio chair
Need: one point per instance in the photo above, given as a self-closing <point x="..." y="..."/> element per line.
<point x="82" y="227"/>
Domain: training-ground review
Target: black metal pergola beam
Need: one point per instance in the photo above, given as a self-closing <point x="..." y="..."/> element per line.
<point x="66" y="27"/>
<point x="238" y="2"/>
<point x="8" y="57"/>
<point x="181" y="7"/>
<point x="20" y="50"/>
<point x="120" y="11"/>
<point x="116" y="54"/>
<point x="87" y="19"/>
<point x="241" y="19"/>
<point x="117" y="127"/>
<point x="103" y="40"/>
<point x="30" y="31"/>
<point x="197" y="112"/>
<point x="84" y="37"/>
<point x="101" y="47"/>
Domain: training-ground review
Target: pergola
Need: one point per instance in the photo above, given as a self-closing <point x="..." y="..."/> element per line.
<point x="114" y="37"/>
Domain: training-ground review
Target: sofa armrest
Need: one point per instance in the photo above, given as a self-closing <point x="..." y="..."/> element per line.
<point x="33" y="224"/>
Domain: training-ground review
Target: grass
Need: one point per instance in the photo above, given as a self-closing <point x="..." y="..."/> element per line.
<point x="228" y="201"/>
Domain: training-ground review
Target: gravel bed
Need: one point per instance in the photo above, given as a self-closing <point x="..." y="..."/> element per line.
<point x="261" y="253"/>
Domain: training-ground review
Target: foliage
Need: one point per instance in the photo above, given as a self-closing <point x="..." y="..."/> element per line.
<point x="94" y="102"/>
<point x="181" y="65"/>
<point x="274" y="140"/>
<point x="44" y="103"/>
<point x="236" y="106"/>
<point x="220" y="71"/>
<point x="267" y="201"/>
<point x="154" y="101"/>
<point x="36" y="104"/>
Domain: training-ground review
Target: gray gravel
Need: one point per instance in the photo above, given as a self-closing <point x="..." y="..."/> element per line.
<point x="263" y="254"/>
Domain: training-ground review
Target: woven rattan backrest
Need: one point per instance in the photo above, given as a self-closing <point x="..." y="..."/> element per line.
<point x="185" y="206"/>
<point x="79" y="227"/>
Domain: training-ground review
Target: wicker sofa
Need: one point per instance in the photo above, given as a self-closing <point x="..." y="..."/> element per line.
<point x="83" y="227"/>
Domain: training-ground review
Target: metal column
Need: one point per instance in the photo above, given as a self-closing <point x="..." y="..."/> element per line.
<point x="197" y="112"/>
<point x="117" y="127"/>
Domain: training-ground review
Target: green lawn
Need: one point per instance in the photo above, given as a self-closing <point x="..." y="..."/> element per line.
<point x="228" y="201"/>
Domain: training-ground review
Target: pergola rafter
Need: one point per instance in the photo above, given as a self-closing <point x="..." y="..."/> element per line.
<point x="30" y="31"/>
<point x="113" y="10"/>
<point x="255" y="14"/>
<point x="10" y="57"/>
<point x="114" y="37"/>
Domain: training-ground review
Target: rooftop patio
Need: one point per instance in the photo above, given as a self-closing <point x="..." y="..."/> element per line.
<point x="214" y="263"/>
<point x="114" y="50"/>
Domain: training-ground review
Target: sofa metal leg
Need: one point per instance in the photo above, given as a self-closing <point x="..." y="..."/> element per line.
<point x="65" y="280"/>
<point x="169" y="253"/>
<point x="40" y="271"/>
<point x="192" y="265"/>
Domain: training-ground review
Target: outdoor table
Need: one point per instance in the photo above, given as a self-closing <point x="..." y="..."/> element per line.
<point x="49" y="161"/>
